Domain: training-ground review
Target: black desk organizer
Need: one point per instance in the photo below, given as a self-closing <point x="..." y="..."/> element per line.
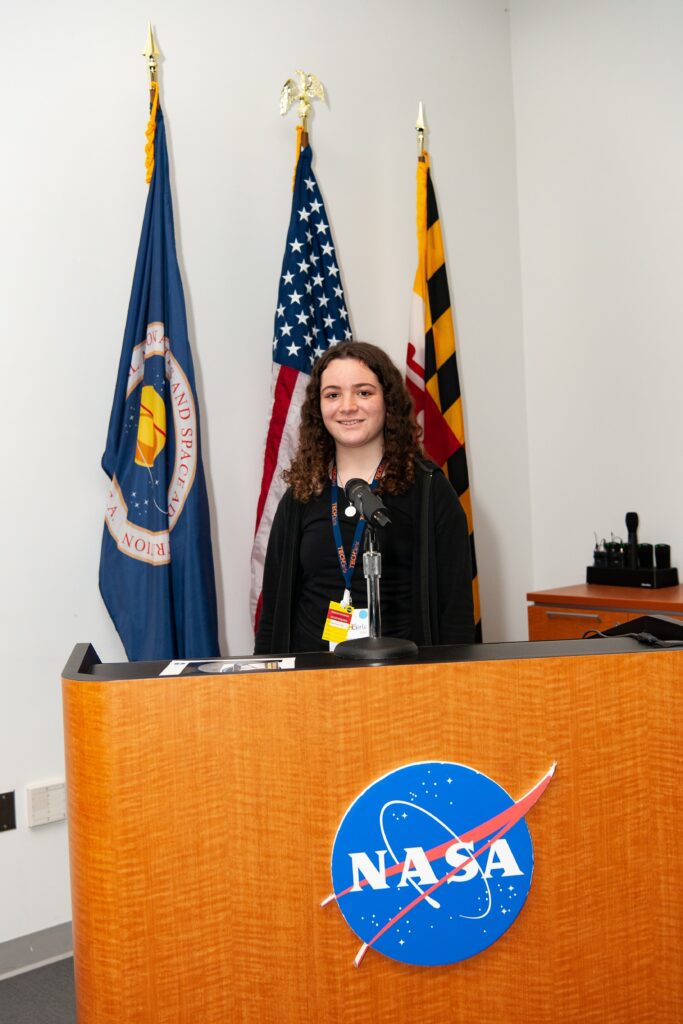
<point x="613" y="576"/>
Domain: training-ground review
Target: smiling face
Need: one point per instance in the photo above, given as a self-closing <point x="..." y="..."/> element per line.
<point x="352" y="404"/>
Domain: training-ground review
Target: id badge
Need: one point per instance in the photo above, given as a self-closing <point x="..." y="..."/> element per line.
<point x="337" y="622"/>
<point x="360" y="624"/>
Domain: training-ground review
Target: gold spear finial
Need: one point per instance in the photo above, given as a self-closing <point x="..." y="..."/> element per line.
<point x="151" y="53"/>
<point x="305" y="90"/>
<point x="420" y="129"/>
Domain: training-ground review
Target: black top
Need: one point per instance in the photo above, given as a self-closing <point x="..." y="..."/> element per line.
<point x="440" y="605"/>
<point x="319" y="577"/>
<point x="84" y="664"/>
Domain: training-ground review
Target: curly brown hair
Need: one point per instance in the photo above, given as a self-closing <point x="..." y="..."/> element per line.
<point x="311" y="465"/>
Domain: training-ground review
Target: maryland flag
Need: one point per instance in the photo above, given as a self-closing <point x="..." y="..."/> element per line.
<point x="431" y="367"/>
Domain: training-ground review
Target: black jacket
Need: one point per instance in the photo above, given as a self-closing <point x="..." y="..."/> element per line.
<point x="442" y="610"/>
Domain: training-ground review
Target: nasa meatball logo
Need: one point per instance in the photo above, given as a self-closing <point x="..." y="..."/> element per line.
<point x="433" y="863"/>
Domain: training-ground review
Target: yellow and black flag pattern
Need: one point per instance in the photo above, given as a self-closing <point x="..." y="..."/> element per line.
<point x="432" y="371"/>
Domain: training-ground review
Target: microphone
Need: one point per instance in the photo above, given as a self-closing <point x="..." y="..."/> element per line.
<point x="632" y="527"/>
<point x="367" y="503"/>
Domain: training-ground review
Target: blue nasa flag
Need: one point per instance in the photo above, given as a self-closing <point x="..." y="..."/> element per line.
<point x="156" y="567"/>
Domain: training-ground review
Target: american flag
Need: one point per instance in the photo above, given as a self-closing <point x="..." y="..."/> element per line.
<point x="311" y="315"/>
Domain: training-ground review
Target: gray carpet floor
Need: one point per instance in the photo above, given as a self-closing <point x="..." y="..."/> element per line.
<point x="43" y="996"/>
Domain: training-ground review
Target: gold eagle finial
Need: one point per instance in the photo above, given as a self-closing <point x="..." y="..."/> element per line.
<point x="306" y="89"/>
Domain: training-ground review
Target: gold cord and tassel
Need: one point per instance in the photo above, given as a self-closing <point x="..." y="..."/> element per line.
<point x="151" y="132"/>
<point x="151" y="53"/>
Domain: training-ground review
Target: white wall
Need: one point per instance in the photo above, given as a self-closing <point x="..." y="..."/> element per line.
<point x="72" y="195"/>
<point x="598" y="91"/>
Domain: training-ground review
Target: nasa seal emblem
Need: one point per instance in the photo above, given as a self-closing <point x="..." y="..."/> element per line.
<point x="433" y="862"/>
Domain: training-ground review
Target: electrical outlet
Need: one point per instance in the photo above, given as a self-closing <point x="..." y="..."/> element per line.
<point x="8" y="816"/>
<point x="46" y="802"/>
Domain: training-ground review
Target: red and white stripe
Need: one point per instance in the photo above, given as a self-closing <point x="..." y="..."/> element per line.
<point x="289" y="387"/>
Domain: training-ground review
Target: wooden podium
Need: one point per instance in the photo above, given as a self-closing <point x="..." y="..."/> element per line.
<point x="203" y="809"/>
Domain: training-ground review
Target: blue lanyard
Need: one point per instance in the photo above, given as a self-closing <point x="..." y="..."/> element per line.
<point x="347" y="568"/>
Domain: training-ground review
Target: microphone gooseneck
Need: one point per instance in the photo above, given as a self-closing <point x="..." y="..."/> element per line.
<point x="375" y="647"/>
<point x="367" y="502"/>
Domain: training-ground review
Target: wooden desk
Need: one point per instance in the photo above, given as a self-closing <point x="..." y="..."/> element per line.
<point x="566" y="613"/>
<point x="203" y="809"/>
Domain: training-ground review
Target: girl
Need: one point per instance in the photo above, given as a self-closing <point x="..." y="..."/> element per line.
<point x="357" y="421"/>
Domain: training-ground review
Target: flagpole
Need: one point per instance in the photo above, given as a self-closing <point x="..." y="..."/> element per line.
<point x="151" y="53"/>
<point x="420" y="129"/>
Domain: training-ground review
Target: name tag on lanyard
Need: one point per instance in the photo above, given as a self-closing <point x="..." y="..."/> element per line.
<point x="337" y="622"/>
<point x="343" y="621"/>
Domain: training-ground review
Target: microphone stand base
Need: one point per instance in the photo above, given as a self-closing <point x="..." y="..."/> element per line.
<point x="375" y="648"/>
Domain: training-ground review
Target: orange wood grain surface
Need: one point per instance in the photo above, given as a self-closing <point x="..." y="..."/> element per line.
<point x="662" y="601"/>
<point x="203" y="810"/>
<point x="551" y="622"/>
